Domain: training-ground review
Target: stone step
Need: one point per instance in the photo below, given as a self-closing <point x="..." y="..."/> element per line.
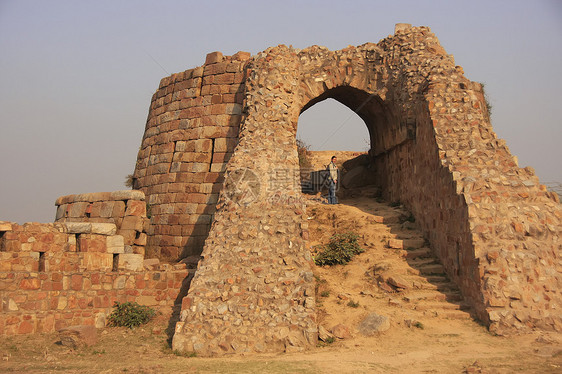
<point x="437" y="279"/>
<point x="421" y="262"/>
<point x="413" y="243"/>
<point x="453" y="295"/>
<point x="440" y="286"/>
<point x="425" y="296"/>
<point x="431" y="269"/>
<point x="455" y="314"/>
<point x="440" y="306"/>
<point x="418" y="253"/>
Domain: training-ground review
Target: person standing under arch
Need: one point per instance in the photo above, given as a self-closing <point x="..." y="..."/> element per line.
<point x="332" y="181"/>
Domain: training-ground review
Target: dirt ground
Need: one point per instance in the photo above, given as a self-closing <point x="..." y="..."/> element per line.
<point x="431" y="330"/>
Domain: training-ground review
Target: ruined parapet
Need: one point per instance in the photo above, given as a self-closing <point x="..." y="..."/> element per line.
<point x="125" y="209"/>
<point x="494" y="227"/>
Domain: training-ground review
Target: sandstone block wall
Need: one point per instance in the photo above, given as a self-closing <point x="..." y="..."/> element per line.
<point x="190" y="134"/>
<point x="125" y="209"/>
<point x="62" y="274"/>
<point x="40" y="302"/>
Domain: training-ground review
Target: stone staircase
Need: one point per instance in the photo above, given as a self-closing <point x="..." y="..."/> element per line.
<point x="431" y="289"/>
<point x="398" y="269"/>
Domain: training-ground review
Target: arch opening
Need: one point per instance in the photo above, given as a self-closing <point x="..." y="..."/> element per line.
<point x="355" y="161"/>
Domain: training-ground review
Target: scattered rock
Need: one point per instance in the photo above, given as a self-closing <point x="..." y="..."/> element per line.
<point x="385" y="287"/>
<point x="398" y="282"/>
<point x="78" y="336"/>
<point x="476" y="367"/>
<point x="341" y="331"/>
<point x="413" y="323"/>
<point x="342" y="296"/>
<point x="374" y="323"/>
<point x="324" y="334"/>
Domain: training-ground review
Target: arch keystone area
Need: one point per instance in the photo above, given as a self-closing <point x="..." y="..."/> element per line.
<point x="219" y="166"/>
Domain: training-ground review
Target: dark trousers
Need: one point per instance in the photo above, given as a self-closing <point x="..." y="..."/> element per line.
<point x="332" y="199"/>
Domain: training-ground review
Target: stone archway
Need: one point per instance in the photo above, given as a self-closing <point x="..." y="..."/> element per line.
<point x="495" y="229"/>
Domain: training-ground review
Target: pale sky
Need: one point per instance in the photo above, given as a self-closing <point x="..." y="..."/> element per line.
<point x="76" y="77"/>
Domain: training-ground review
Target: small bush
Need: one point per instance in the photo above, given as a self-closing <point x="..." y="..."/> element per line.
<point x="353" y="304"/>
<point x="303" y="150"/>
<point x="130" y="315"/>
<point x="339" y="251"/>
<point x="325" y="293"/>
<point x="129" y="181"/>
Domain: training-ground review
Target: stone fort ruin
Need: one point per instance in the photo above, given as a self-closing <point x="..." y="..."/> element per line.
<point x="216" y="169"/>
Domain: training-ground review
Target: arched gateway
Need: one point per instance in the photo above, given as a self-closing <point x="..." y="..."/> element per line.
<point x="217" y="165"/>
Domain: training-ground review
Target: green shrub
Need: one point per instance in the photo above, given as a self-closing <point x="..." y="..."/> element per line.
<point x="130" y="315"/>
<point x="340" y="250"/>
<point x="353" y="304"/>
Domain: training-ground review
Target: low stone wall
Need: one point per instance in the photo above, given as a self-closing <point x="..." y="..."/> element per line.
<point x="125" y="209"/>
<point x="39" y="302"/>
<point x="71" y="272"/>
<point x="57" y="247"/>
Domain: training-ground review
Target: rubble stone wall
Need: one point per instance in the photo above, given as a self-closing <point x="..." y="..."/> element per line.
<point x="495" y="228"/>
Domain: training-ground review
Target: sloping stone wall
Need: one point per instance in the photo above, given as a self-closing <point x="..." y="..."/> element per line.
<point x="254" y="290"/>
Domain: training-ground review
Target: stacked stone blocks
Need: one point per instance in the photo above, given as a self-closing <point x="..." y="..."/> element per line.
<point x="191" y="132"/>
<point x="125" y="210"/>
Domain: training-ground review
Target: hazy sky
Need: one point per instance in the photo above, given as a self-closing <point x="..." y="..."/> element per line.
<point x="76" y="77"/>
